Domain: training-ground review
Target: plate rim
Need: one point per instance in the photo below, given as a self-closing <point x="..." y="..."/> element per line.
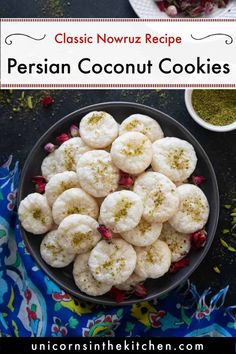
<point x="104" y="105"/>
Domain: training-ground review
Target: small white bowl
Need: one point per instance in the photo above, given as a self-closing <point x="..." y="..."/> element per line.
<point x="200" y="121"/>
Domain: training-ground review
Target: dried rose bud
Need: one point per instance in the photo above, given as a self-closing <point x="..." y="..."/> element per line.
<point x="179" y="265"/>
<point x="171" y="11"/>
<point x="140" y="291"/>
<point x="198" y="180"/>
<point x="162" y="5"/>
<point x="62" y="138"/>
<point x="117" y="295"/>
<point x="47" y="101"/>
<point x="74" y="130"/>
<point x="105" y="232"/>
<point x="125" y="180"/>
<point x="198" y="239"/>
<point x="49" y="147"/>
<point x="40" y="184"/>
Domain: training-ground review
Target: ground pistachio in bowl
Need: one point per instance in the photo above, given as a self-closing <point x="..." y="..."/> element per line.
<point x="212" y="109"/>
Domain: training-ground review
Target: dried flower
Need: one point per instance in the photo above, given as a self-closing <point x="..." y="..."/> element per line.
<point x="184" y="262"/>
<point x="125" y="180"/>
<point x="49" y="147"/>
<point x="62" y="138"/>
<point x="117" y="295"/>
<point x="140" y="291"/>
<point x="47" y="101"/>
<point x="40" y="184"/>
<point x="105" y="232"/>
<point x="74" y="130"/>
<point x="198" y="180"/>
<point x="171" y="11"/>
<point x="198" y="239"/>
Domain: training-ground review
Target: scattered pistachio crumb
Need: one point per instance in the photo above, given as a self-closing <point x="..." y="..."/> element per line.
<point x="217" y="270"/>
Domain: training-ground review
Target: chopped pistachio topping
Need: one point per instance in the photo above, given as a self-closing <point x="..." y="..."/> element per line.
<point x="131" y="125"/>
<point x="122" y="209"/>
<point x="144" y="226"/>
<point x="177" y="159"/>
<point x="75" y="210"/>
<point x="133" y="149"/>
<point x="37" y="214"/>
<point x="69" y="158"/>
<point x="193" y="208"/>
<point x="79" y="237"/>
<point x="96" y="118"/>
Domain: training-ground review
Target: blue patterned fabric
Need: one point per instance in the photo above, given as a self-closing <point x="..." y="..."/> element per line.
<point x="33" y="305"/>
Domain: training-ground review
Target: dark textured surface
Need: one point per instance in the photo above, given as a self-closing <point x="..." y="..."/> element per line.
<point x="19" y="131"/>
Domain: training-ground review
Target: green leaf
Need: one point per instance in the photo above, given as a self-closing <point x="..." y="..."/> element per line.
<point x="2" y="233"/>
<point x="73" y="322"/>
<point x="224" y="244"/>
<point x="217" y="270"/>
<point x="30" y="102"/>
<point x="129" y="327"/>
<point x="57" y="306"/>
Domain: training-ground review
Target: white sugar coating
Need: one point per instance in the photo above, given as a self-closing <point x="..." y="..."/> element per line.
<point x="78" y="233"/>
<point x="193" y="210"/>
<point x="50" y="166"/>
<point x="142" y="124"/>
<point x="112" y="262"/>
<point x="178" y="243"/>
<point x="98" y="129"/>
<point x="132" y="152"/>
<point x="97" y="174"/>
<point x="144" y="234"/>
<point x="153" y="261"/>
<point x="159" y="196"/>
<point x="84" y="279"/>
<point x="52" y="253"/>
<point x="74" y="201"/>
<point x="35" y="214"/>
<point x="69" y="153"/>
<point x="59" y="183"/>
<point x="121" y="211"/>
<point x="174" y="157"/>
<point x="131" y="282"/>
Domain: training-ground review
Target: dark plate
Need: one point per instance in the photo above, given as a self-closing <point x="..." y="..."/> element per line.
<point x="121" y="110"/>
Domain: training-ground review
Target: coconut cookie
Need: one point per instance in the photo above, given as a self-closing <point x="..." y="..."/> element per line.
<point x="174" y="157"/>
<point x="193" y="210"/>
<point x="98" y="129"/>
<point x="59" y="183"/>
<point x="97" y="174"/>
<point x="74" y="201"/>
<point x="142" y="124"/>
<point x="131" y="282"/>
<point x="35" y="214"/>
<point x="178" y="243"/>
<point x="84" y="279"/>
<point x="112" y="262"/>
<point x="121" y="211"/>
<point x="159" y="196"/>
<point x="50" y="166"/>
<point x="69" y="153"/>
<point x="78" y="233"/>
<point x="153" y="261"/>
<point x="52" y="253"/>
<point x="144" y="234"/>
<point x="132" y="152"/>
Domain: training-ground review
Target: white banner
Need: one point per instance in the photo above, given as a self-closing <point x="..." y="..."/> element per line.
<point x="117" y="53"/>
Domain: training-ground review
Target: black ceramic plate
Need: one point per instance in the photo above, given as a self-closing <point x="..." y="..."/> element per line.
<point x="121" y="110"/>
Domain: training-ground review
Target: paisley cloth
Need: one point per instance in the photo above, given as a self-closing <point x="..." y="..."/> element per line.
<point x="33" y="305"/>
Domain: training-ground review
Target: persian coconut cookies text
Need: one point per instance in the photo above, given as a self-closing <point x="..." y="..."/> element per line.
<point x="117" y="203"/>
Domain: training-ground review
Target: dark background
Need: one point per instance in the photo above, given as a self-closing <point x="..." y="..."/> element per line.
<point x="20" y="130"/>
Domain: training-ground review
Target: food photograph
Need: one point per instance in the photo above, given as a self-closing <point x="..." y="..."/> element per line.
<point x="118" y="207"/>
